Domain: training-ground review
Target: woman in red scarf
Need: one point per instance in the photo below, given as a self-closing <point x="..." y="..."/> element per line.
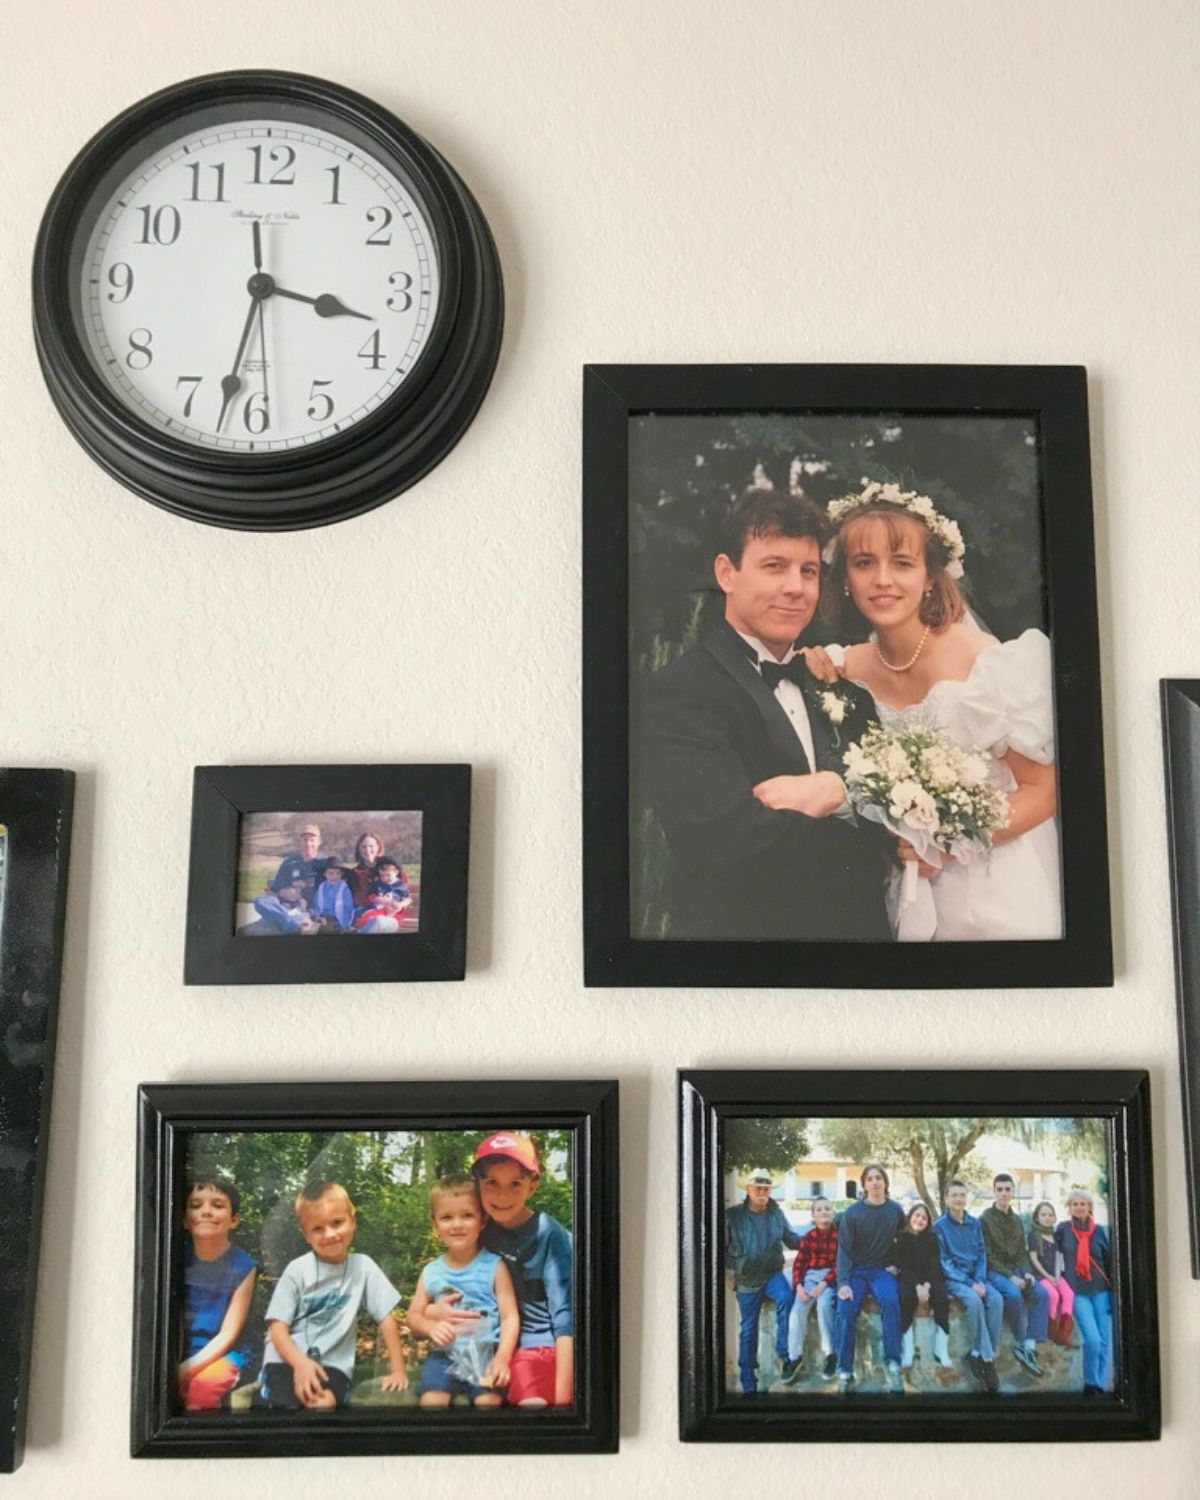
<point x="1087" y="1269"/>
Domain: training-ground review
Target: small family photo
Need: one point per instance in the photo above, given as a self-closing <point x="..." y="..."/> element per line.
<point x="332" y="873"/>
<point x="914" y="1257"/>
<point x="386" y="1269"/>
<point x="842" y="694"/>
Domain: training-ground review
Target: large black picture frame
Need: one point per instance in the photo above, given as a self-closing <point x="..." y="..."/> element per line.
<point x="1055" y="397"/>
<point x="221" y="794"/>
<point x="1181" y="750"/>
<point x="35" y="811"/>
<point x="707" y="1099"/>
<point x="167" y="1112"/>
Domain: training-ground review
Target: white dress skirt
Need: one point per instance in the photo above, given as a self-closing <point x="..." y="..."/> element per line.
<point x="1015" y="891"/>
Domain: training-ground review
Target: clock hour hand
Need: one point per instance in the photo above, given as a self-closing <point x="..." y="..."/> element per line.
<point x="231" y="384"/>
<point x="325" y="306"/>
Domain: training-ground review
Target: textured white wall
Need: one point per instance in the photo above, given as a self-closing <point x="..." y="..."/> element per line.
<point x="782" y="181"/>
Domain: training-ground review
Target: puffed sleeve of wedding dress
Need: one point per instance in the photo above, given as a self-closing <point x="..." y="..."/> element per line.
<point x="1007" y="703"/>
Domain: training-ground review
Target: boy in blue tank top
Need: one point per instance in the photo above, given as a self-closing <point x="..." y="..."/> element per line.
<point x="218" y="1287"/>
<point x="485" y="1289"/>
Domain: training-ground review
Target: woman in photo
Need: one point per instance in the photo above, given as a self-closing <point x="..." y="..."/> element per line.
<point x="1087" y="1270"/>
<point x="895" y="565"/>
<point x="366" y="851"/>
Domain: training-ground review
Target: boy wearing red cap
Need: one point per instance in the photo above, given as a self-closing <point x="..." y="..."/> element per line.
<point x="539" y="1254"/>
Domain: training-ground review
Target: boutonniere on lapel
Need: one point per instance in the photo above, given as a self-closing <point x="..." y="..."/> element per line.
<point x="835" y="706"/>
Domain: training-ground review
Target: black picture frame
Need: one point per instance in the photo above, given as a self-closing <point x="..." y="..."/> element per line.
<point x="167" y="1112"/>
<point x="708" y="1098"/>
<point x="1055" y="397"/>
<point x="221" y="794"/>
<point x="35" y="810"/>
<point x="1180" y="699"/>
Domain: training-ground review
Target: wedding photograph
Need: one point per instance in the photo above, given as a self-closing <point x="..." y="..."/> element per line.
<point x="917" y="1256"/>
<point x="339" y="873"/>
<point x="846" y="691"/>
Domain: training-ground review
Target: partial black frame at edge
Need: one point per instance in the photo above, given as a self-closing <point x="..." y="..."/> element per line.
<point x="214" y="954"/>
<point x="166" y="1112"/>
<point x="707" y="1413"/>
<point x="1056" y="398"/>
<point x="1181" y="753"/>
<point x="36" y="808"/>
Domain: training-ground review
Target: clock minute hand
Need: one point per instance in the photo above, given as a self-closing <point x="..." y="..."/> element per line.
<point x="325" y="306"/>
<point x="231" y="384"/>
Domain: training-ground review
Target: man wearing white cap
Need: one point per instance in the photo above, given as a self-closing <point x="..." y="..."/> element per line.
<point x="755" y="1234"/>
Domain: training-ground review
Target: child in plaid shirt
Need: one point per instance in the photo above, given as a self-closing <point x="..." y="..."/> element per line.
<point x="814" y="1278"/>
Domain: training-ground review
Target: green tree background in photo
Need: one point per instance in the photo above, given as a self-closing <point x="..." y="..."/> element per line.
<point x="388" y="1175"/>
<point x="685" y="472"/>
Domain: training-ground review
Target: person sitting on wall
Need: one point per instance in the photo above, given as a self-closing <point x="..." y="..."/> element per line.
<point x="866" y="1233"/>
<point x="964" y="1262"/>
<point x="1010" y="1271"/>
<point x="756" y="1231"/>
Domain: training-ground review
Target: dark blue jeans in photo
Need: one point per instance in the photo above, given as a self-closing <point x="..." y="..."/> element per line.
<point x="869" y="1281"/>
<point x="779" y="1291"/>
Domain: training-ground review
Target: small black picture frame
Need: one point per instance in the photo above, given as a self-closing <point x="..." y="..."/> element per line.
<point x="710" y="1412"/>
<point x="216" y="953"/>
<point x="647" y="500"/>
<point x="35" y="829"/>
<point x="1181" y="751"/>
<point x="168" y="1114"/>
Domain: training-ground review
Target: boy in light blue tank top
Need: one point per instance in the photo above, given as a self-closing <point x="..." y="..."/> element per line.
<point x="469" y="1359"/>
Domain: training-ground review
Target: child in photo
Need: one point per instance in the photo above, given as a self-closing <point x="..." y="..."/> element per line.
<point x="539" y="1253"/>
<point x="917" y="1259"/>
<point x="218" y="1287"/>
<point x="282" y="906"/>
<point x="814" y="1281"/>
<point x="483" y="1286"/>
<point x="388" y="899"/>
<point x="313" y="1313"/>
<point x="1047" y="1261"/>
<point x="333" y="901"/>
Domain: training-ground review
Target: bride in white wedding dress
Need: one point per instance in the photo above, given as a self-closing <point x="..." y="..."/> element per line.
<point x="895" y="561"/>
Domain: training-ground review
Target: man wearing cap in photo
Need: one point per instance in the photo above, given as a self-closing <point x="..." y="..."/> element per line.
<point x="756" y="1231"/>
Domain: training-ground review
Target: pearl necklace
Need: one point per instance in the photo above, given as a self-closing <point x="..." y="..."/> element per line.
<point x="891" y="666"/>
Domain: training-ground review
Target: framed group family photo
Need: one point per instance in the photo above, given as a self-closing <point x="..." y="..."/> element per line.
<point x="947" y="1256"/>
<point x="35" y="841"/>
<point x="376" y="1268"/>
<point x="368" y="862"/>
<point x="841" y="678"/>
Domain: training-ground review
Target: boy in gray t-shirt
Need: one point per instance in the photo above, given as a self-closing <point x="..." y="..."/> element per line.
<point x="313" y="1312"/>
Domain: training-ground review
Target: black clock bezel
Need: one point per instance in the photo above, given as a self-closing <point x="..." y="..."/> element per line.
<point x="313" y="485"/>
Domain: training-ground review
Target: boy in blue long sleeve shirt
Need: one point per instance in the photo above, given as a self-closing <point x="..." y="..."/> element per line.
<point x="964" y="1262"/>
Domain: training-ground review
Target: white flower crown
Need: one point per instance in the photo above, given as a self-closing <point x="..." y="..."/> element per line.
<point x="921" y="506"/>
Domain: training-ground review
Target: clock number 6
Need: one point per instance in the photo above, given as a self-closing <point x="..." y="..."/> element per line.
<point x="400" y="281"/>
<point x="256" y="417"/>
<point x="315" y="395"/>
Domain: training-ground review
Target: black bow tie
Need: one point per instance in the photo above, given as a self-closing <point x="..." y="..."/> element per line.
<point x="774" y="672"/>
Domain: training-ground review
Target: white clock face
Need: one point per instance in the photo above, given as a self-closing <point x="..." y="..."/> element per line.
<point x="257" y="286"/>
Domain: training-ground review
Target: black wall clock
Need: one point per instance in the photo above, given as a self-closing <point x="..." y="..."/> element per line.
<point x="261" y="301"/>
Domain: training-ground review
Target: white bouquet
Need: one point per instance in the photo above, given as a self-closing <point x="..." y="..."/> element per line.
<point x="924" y="788"/>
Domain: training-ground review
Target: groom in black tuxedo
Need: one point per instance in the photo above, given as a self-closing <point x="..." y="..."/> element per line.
<point x="733" y="749"/>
